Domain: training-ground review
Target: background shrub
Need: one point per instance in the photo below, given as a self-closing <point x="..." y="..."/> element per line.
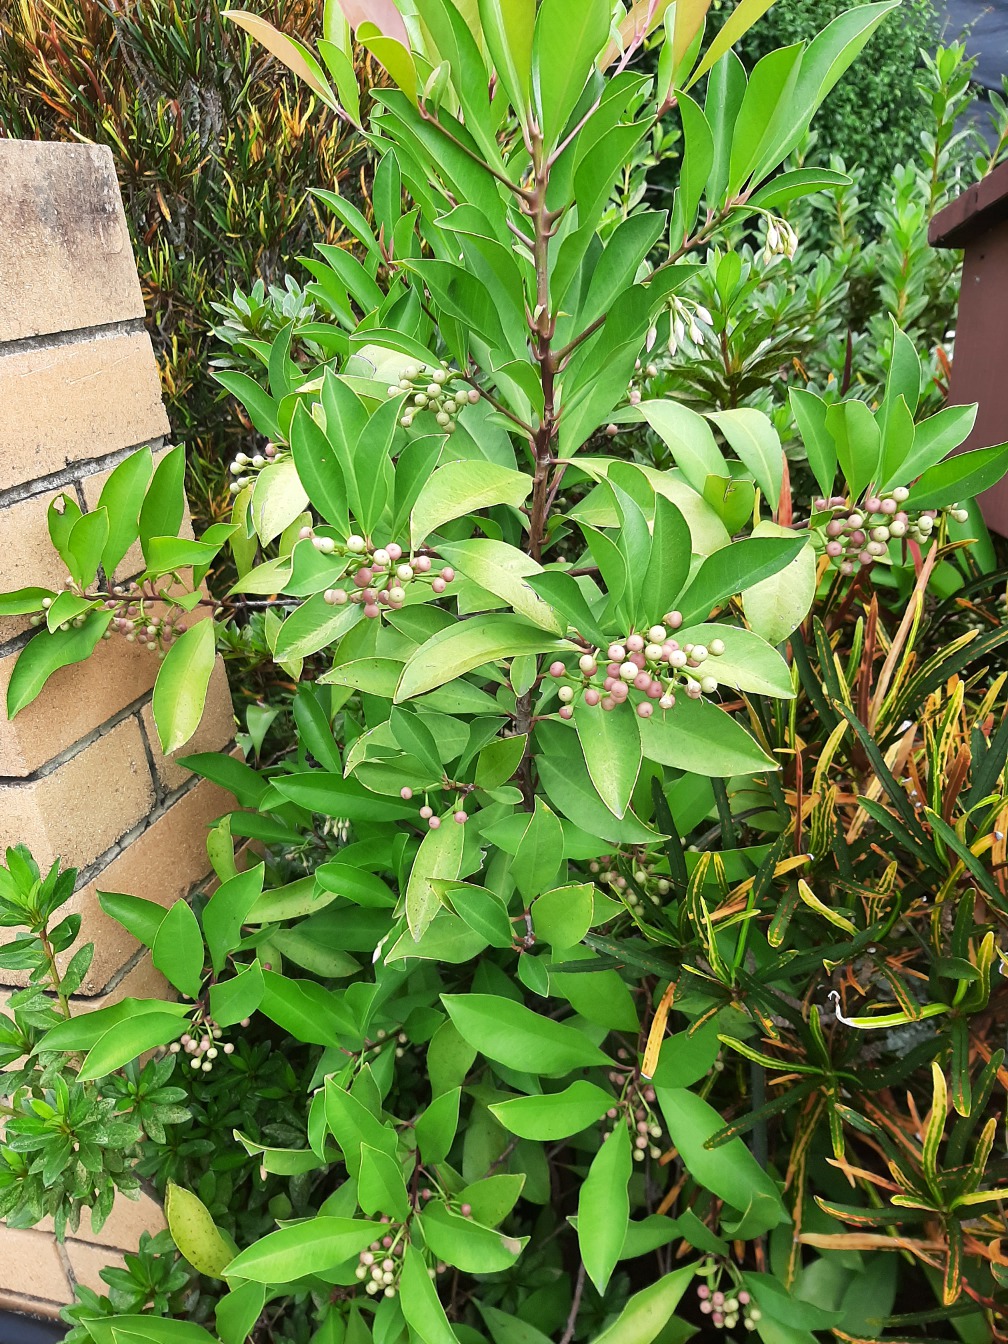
<point x="215" y="148"/>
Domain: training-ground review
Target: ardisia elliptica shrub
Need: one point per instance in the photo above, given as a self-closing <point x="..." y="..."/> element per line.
<point x="527" y="667"/>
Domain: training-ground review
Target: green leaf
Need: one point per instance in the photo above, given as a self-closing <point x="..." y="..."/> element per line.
<point x="178" y="949"/>
<point x="420" y="1303"/>
<point x="514" y="1036"/>
<point x="319" y="469"/>
<point x="563" y="916"/>
<point x="539" y="853"/>
<point x="233" y="1000"/>
<point x="810" y="417"/>
<point x="611" y="745"/>
<point x="483" y="911"/>
<point x="470" y="644"/>
<point x="569" y="35"/>
<point x="700" y="737"/>
<point x="464" y="1244"/>
<point x="856" y="434"/>
<point x="195" y="1233"/>
<point x="960" y="478"/>
<point x="788" y="186"/>
<point x="85" y="1029"/>
<point x="934" y="439"/>
<point x="313" y="626"/>
<point x="741" y="19"/>
<point x="139" y="917"/>
<point x="278" y="497"/>
<point x="227" y="910"/>
<point x="502" y="570"/>
<point x="127" y="1040"/>
<point x="729" y="1171"/>
<point x="47" y="653"/>
<point x="739" y="566"/>
<point x="333" y="796"/>
<point x="237" y="1312"/>
<point x="757" y="444"/>
<point x="164" y="504"/>
<point x="182" y="682"/>
<point x="568" y="786"/>
<point x="24" y="601"/>
<point x="507" y="30"/>
<point x="748" y="663"/>
<point x="311" y="1013"/>
<point x="604" y="1206"/>
<point x="261" y="407"/>
<point x="777" y="606"/>
<point x="647" y="1313"/>
<point x="381" y="1187"/>
<point x="688" y="438"/>
<point x="436" y="1128"/>
<point x="668" y="567"/>
<point x="314" y="1246"/>
<point x="554" y="1115"/>
<point x="439" y="858"/>
<point x="459" y="488"/>
<point x="85" y="546"/>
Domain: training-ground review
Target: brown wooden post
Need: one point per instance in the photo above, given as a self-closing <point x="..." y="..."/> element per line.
<point x="82" y="777"/>
<point x="977" y="221"/>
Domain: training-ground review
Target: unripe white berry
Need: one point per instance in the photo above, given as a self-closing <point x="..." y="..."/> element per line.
<point x="566" y="694"/>
<point x="356" y="544"/>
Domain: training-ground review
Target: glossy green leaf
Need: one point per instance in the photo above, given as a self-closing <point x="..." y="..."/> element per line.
<point x="507" y="30"/>
<point x="182" y="682"/>
<point x="47" y="653"/>
<point x="178" y="949"/>
<point x="960" y="478"/>
<point x="470" y="644"/>
<point x="164" y="503"/>
<point x="437" y="1126"/>
<point x="563" y="916"/>
<point x="381" y="1187"/>
<point x="227" y="910"/>
<point x="126" y="1040"/>
<point x="554" y="1115"/>
<point x="502" y="570"/>
<point x="757" y="444"/>
<point x="611" y="745"/>
<point x="569" y="35"/>
<point x="539" y="853"/>
<point x="604" y="1206"/>
<point x="463" y="1243"/>
<point x="739" y="566"/>
<point x="439" y="858"/>
<point x="233" y="1000"/>
<point x="700" y="737"/>
<point x="311" y="1247"/>
<point x="647" y="1313"/>
<point x="515" y="1036"/>
<point x="420" y="1303"/>
<point x="464" y="487"/>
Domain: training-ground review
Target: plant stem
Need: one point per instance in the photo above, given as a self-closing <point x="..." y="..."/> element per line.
<point x="54" y="975"/>
<point x="568" y="1333"/>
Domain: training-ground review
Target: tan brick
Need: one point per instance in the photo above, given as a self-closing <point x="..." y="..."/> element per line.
<point x="122" y="1228"/>
<point x="65" y="256"/>
<point x="163" y="864"/>
<point x="72" y="703"/>
<point x="30" y="1267"/>
<point x="85" y="805"/>
<point x="216" y="730"/>
<point x="76" y="401"/>
<point x="87" y="1263"/>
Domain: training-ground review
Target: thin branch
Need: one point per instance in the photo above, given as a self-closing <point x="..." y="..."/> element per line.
<point x="513" y="187"/>
<point x="579" y="1284"/>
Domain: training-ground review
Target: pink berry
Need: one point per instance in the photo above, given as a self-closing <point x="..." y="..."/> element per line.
<point x="608" y="703"/>
<point x="426" y="812"/>
<point x="434" y="823"/>
<point x="642" y="681"/>
<point x="645" y="709"/>
<point x="620" y="691"/>
<point x="466" y="1210"/>
<point x="655" y="691"/>
<point x="566" y="712"/>
<point x="743" y="1297"/>
<point x="591" y="697"/>
<point x="447" y="573"/>
<point x="557" y="669"/>
<point x="422" y="564"/>
<point x="406" y="792"/>
<point x="461" y="817"/>
<point x="635" y="643"/>
<point x="703" y="1291"/>
<point x="363" y="576"/>
<point x="394" y="550"/>
<point x="617" y="652"/>
<point x="371" y="610"/>
<point x="438" y="585"/>
<point x="834" y="548"/>
<point x="673" y="619"/>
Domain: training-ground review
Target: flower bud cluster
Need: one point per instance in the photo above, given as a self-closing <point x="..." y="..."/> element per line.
<point x="203" y="1042"/>
<point x="379" y="576"/>
<point x="653" y="663"/>
<point x="646" y="880"/>
<point x="459" y="815"/>
<point x="244" y="467"/>
<point x="380" y="1266"/>
<point x="685" y="318"/>
<point x="725" y="1306"/>
<point x="781" y="240"/>
<point x="635" y="1109"/>
<point x="857" y="537"/>
<point x="443" y="393"/>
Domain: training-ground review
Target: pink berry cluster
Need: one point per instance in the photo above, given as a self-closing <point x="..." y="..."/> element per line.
<point x="859" y="536"/>
<point x="635" y="1109"/>
<point x="243" y="466"/>
<point x="380" y="1266"/>
<point x="725" y="1308"/>
<point x="379" y="575"/>
<point x="653" y="663"/>
<point x="203" y="1042"/>
<point x="433" y="392"/>
<point x="645" y="879"/>
<point x="427" y="813"/>
<point x="133" y="620"/>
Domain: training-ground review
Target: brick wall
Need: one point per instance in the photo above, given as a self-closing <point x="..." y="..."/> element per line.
<point x="81" y="775"/>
